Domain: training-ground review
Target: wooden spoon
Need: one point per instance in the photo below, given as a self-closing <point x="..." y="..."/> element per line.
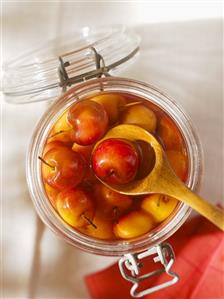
<point x="162" y="178"/>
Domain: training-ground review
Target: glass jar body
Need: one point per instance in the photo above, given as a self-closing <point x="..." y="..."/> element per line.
<point x="34" y="178"/>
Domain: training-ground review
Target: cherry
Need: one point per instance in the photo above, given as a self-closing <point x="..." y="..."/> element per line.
<point x="61" y="131"/>
<point x="112" y="103"/>
<point x="84" y="150"/>
<point x="53" y="144"/>
<point x="133" y="224"/>
<point x="62" y="168"/>
<point x="111" y="204"/>
<point x="115" y="161"/>
<point x="76" y="207"/>
<point x="52" y="194"/>
<point x="141" y="116"/>
<point x="89" y="121"/>
<point x="103" y="228"/>
<point x="179" y="163"/>
<point x="159" y="206"/>
<point x="170" y="135"/>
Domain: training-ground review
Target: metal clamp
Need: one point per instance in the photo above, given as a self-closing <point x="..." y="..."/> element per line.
<point x="131" y="264"/>
<point x="101" y="68"/>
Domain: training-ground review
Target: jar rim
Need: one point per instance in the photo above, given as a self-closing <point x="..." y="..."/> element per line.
<point x="33" y="169"/>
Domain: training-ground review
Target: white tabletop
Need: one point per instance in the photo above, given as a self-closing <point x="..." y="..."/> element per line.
<point x="179" y="54"/>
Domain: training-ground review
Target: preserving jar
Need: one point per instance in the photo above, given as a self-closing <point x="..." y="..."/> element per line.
<point x="129" y="251"/>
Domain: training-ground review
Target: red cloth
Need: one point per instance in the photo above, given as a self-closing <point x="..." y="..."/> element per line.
<point x="199" y="249"/>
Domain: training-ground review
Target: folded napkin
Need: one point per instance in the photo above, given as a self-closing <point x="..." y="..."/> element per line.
<point x="199" y="250"/>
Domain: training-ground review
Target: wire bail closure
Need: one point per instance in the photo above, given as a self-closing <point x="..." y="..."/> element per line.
<point x="130" y="266"/>
<point x="101" y="69"/>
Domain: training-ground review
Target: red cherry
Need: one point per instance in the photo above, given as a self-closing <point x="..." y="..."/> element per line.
<point x="89" y="120"/>
<point x="62" y="168"/>
<point x="76" y="207"/>
<point x="115" y="161"/>
<point x="84" y="150"/>
<point x="111" y="204"/>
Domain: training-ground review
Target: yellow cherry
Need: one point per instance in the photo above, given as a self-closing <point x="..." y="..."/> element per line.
<point x="133" y="224"/>
<point x="61" y="130"/>
<point x="53" y="144"/>
<point x="112" y="103"/>
<point x="178" y="162"/>
<point x="159" y="206"/>
<point x="62" y="123"/>
<point x="102" y="229"/>
<point x="169" y="134"/>
<point x="140" y="115"/>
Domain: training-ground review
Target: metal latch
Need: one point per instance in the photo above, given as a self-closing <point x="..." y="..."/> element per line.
<point x="131" y="264"/>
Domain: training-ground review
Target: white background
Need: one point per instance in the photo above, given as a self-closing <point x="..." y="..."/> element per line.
<point x="181" y="52"/>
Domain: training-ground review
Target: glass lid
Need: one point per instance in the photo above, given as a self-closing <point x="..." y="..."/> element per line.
<point x="89" y="53"/>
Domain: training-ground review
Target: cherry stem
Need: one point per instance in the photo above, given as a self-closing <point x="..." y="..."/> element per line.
<point x="130" y="104"/>
<point x="89" y="221"/>
<point x="42" y="160"/>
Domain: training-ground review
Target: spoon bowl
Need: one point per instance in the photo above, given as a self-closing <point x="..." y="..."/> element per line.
<point x="162" y="178"/>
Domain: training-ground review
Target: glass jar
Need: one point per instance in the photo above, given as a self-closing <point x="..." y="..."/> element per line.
<point x="37" y="77"/>
<point x="34" y="178"/>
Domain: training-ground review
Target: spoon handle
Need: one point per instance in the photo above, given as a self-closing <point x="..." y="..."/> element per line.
<point x="169" y="184"/>
<point x="209" y="211"/>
